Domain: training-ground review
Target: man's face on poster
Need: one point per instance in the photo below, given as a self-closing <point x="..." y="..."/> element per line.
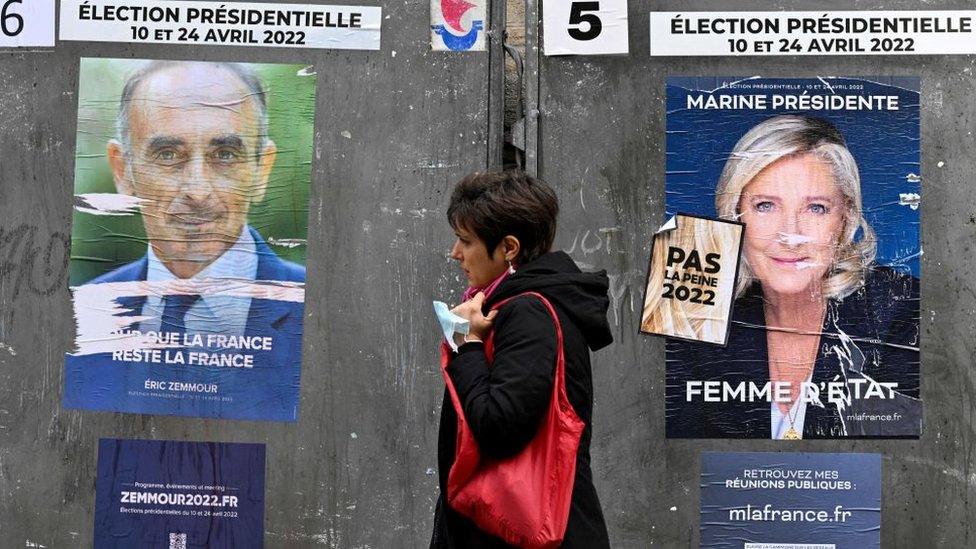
<point x="195" y="156"/>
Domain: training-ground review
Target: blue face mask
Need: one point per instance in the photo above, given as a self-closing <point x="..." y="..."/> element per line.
<point x="450" y="323"/>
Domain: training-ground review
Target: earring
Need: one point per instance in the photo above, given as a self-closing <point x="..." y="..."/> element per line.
<point x="511" y="269"/>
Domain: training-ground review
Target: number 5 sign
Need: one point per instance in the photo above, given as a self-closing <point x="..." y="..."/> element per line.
<point x="588" y="27"/>
<point x="26" y="23"/>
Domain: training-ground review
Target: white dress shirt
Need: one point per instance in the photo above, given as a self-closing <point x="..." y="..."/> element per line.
<point x="214" y="313"/>
<point x="780" y="423"/>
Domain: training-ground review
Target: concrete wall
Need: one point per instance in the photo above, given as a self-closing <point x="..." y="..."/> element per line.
<point x="395" y="129"/>
<point x="359" y="468"/>
<point x="600" y="142"/>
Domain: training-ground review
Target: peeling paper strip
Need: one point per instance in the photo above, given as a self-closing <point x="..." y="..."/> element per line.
<point x="108" y="204"/>
<point x="287" y="242"/>
<point x="800" y="265"/>
<point x="100" y="318"/>
<point x="669" y="225"/>
<point x="912" y="200"/>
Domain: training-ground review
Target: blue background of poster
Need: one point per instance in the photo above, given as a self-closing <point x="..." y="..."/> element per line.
<point x="884" y="143"/>
<point x="267" y="392"/>
<point x="861" y="530"/>
<point x="239" y="467"/>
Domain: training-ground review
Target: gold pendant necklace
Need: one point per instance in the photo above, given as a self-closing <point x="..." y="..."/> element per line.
<point x="792" y="433"/>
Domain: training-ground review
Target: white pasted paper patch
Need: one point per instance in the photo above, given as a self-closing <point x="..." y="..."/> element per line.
<point x="912" y="200"/>
<point x="585" y="28"/>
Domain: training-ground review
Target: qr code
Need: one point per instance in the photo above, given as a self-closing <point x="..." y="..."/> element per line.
<point x="177" y="541"/>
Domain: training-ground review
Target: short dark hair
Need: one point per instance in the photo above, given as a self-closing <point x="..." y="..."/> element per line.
<point x="493" y="205"/>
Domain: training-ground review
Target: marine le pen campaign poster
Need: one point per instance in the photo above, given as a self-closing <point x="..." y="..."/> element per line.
<point x="823" y="176"/>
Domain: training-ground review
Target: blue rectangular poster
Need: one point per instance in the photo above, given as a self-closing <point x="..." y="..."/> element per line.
<point x="157" y="494"/>
<point x="823" y="335"/>
<point x="188" y="240"/>
<point x="754" y="500"/>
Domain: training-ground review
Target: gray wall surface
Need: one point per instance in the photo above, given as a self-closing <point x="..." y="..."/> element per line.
<point x="359" y="467"/>
<point x="601" y="143"/>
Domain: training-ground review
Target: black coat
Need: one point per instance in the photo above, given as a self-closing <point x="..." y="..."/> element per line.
<point x="505" y="402"/>
<point x="882" y="322"/>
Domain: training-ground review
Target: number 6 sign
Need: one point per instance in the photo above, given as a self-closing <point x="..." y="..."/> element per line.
<point x="586" y="27"/>
<point x="26" y="23"/>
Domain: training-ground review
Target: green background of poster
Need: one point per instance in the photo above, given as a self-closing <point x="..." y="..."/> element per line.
<point x="101" y="243"/>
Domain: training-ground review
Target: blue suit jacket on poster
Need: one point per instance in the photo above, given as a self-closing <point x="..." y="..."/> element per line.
<point x="268" y="391"/>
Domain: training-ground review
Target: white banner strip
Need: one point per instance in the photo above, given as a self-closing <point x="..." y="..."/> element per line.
<point x="222" y="24"/>
<point x="767" y="33"/>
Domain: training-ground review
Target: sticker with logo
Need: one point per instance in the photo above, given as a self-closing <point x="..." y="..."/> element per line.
<point x="457" y="25"/>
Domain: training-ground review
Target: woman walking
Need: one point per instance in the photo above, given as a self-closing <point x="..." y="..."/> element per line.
<point x="505" y="224"/>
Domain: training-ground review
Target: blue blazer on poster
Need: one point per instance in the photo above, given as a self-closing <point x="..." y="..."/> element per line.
<point x="268" y="391"/>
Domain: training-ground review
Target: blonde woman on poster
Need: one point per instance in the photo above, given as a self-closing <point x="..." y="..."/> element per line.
<point x="817" y="324"/>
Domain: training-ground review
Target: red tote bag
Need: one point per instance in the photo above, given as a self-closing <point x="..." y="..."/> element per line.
<point x="523" y="499"/>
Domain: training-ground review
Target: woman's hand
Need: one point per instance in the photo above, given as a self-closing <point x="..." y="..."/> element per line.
<point x="470" y="310"/>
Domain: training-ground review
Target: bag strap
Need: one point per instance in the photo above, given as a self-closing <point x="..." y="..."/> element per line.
<point x="559" y="383"/>
<point x="560" y="355"/>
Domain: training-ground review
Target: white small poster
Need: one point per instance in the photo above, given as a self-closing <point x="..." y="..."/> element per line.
<point x="591" y="27"/>
<point x="26" y="24"/>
